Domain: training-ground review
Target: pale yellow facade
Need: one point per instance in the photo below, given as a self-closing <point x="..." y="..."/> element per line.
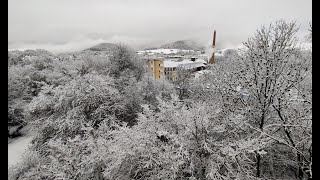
<point x="156" y="67"/>
<point x="161" y="68"/>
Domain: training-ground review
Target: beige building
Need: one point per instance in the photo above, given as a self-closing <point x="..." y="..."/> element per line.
<point x="170" y="70"/>
<point x="161" y="68"/>
<point x="155" y="66"/>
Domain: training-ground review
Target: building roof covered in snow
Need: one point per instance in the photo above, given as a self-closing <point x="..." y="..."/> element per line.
<point x="170" y="64"/>
<point x="186" y="63"/>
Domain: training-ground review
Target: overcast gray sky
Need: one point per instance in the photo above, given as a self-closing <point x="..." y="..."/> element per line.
<point x="69" y="25"/>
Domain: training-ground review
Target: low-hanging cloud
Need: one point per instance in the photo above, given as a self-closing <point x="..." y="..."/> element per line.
<point x="72" y="25"/>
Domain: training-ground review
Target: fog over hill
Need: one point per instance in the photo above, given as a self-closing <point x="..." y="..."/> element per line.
<point x="53" y="25"/>
<point x="102" y="47"/>
<point x="183" y="44"/>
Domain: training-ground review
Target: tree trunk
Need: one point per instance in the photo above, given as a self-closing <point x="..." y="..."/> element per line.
<point x="258" y="174"/>
<point x="98" y="173"/>
<point x="271" y="167"/>
<point x="300" y="171"/>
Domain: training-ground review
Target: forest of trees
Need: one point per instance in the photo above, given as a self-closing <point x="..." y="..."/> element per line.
<point x="248" y="117"/>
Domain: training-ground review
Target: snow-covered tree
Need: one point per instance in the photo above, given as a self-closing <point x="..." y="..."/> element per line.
<point x="248" y="117"/>
<point x="122" y="59"/>
<point x="309" y="36"/>
<point x="182" y="82"/>
<point x="149" y="91"/>
<point x="273" y="68"/>
<point x="165" y="88"/>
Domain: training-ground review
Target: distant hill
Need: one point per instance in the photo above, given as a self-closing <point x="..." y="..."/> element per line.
<point x="182" y="44"/>
<point x="30" y="52"/>
<point x="102" y="47"/>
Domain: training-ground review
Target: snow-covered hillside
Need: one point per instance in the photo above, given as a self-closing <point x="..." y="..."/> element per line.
<point x="164" y="51"/>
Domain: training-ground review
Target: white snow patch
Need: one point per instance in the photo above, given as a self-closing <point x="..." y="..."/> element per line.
<point x="170" y="64"/>
<point x="17" y="148"/>
<point x="186" y="63"/>
<point x="163" y="51"/>
<point x="201" y="61"/>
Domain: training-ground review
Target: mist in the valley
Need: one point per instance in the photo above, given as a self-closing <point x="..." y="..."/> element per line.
<point x="73" y="25"/>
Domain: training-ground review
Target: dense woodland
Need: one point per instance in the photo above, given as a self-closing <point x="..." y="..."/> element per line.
<point x="97" y="117"/>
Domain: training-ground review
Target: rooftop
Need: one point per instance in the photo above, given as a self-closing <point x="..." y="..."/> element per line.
<point x="186" y="63"/>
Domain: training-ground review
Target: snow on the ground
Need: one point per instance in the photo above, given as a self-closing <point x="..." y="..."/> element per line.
<point x="164" y="51"/>
<point x="17" y="148"/>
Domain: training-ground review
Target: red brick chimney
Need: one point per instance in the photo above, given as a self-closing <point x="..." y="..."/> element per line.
<point x="211" y="61"/>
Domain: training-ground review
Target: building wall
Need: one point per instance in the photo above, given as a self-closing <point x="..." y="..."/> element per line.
<point x="170" y="73"/>
<point x="156" y="67"/>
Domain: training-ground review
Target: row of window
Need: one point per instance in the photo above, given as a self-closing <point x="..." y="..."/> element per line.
<point x="167" y="73"/>
<point x="169" y="78"/>
<point x="166" y="69"/>
<point x="170" y="69"/>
